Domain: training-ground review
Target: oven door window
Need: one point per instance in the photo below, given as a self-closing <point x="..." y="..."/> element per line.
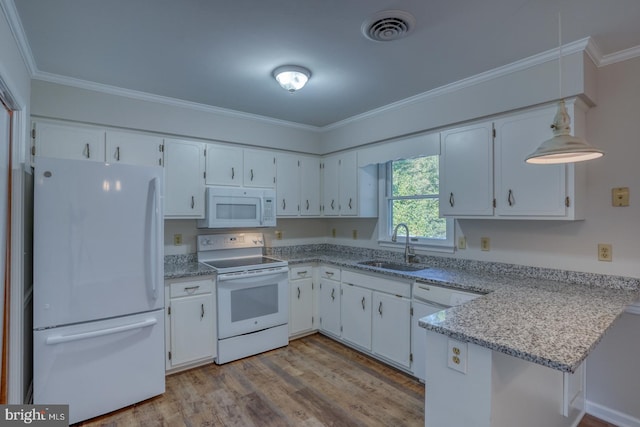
<point x="255" y="302"/>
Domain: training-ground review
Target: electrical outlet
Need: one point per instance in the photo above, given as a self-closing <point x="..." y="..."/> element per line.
<point x="620" y="196"/>
<point x="457" y="355"/>
<point x="278" y="235"/>
<point x="485" y="243"/>
<point x="177" y="239"/>
<point x="333" y="232"/>
<point x="355" y="234"/>
<point x="462" y="242"/>
<point x="605" y="252"/>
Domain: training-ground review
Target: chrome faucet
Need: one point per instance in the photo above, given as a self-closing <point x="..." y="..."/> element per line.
<point x="408" y="251"/>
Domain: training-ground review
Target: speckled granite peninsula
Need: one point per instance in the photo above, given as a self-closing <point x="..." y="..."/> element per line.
<point x="550" y="317"/>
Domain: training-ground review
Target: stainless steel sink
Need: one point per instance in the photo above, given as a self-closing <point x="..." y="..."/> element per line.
<point x="390" y="265"/>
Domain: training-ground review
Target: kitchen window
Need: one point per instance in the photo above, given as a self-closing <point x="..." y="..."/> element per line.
<point x="411" y="194"/>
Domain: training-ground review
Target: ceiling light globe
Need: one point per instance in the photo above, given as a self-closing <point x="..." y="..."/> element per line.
<point x="291" y="77"/>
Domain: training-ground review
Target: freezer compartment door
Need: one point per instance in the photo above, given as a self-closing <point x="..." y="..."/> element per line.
<point x="98" y="241"/>
<point x="101" y="366"/>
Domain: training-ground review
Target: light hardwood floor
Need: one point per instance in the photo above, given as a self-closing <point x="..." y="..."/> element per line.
<point x="315" y="381"/>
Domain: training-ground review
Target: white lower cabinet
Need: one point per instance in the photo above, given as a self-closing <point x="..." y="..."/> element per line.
<point x="375" y="316"/>
<point x="391" y="331"/>
<point x="301" y="301"/>
<point x="190" y="324"/>
<point x="355" y="312"/>
<point x="329" y="301"/>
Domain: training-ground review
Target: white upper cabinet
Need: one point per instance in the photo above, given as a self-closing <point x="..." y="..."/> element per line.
<point x="134" y="149"/>
<point x="68" y="142"/>
<point x="309" y="186"/>
<point x="259" y="168"/>
<point x="347" y="189"/>
<point x="234" y="166"/>
<point x="224" y="165"/>
<point x="525" y="190"/>
<point x="483" y="173"/>
<point x="288" y="185"/>
<point x="297" y="185"/>
<point x="184" y="179"/>
<point x="466" y="171"/>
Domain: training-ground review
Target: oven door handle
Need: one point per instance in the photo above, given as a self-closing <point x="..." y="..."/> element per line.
<point x="248" y="277"/>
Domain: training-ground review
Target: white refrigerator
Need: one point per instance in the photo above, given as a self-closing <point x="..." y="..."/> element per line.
<point x="98" y="297"/>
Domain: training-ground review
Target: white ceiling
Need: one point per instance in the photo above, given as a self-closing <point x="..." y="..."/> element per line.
<point x="222" y="52"/>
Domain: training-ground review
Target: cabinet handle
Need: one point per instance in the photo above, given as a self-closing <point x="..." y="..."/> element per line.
<point x="302" y="273"/>
<point x="233" y="173"/>
<point x="201" y="311"/>
<point x="333" y="204"/>
<point x="190" y="289"/>
<point x="350" y="203"/>
<point x="510" y="198"/>
<point x="298" y="292"/>
<point x="451" y="199"/>
<point x="118" y="153"/>
<point x="193" y="202"/>
<point x="329" y="273"/>
<point x="284" y="205"/>
<point x="380" y="308"/>
<point x="333" y="294"/>
<point x="363" y="303"/>
<point x="251" y="174"/>
<point x="88" y="150"/>
<point x="307" y="204"/>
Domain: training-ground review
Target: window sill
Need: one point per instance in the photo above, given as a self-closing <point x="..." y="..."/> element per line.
<point x="419" y="248"/>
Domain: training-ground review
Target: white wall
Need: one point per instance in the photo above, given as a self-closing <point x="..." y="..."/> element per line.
<point x="63" y="102"/>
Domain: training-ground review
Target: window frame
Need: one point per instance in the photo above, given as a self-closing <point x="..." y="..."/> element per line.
<point x="385" y="218"/>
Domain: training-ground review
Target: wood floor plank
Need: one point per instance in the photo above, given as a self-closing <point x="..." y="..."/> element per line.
<point x="313" y="382"/>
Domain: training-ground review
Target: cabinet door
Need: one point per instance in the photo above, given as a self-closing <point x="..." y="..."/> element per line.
<point x="259" y="169"/>
<point x="349" y="184"/>
<point x="133" y="149"/>
<point x="466" y="171"/>
<point x="355" y="315"/>
<point x="69" y="142"/>
<point x="329" y="306"/>
<point x="330" y="186"/>
<point x="288" y="185"/>
<point x="224" y="165"/>
<point x="192" y="334"/>
<point x="309" y="186"/>
<point x="301" y="306"/>
<point x="184" y="179"/>
<point x="391" y="328"/>
<point x="523" y="189"/>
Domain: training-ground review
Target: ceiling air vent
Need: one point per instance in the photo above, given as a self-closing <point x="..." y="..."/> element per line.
<point x="388" y="25"/>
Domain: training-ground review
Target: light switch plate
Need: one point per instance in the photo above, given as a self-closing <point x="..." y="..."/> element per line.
<point x="457" y="355"/>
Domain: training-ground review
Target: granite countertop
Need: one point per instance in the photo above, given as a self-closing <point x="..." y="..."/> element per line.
<point x="549" y="317"/>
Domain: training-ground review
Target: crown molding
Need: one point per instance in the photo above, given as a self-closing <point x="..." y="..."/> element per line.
<point x="620" y="56"/>
<point x="541" y="58"/>
<point x="15" y="24"/>
<point x="174" y="102"/>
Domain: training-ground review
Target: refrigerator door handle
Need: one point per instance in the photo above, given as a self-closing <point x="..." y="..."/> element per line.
<point x="153" y="244"/>
<point x="59" y="339"/>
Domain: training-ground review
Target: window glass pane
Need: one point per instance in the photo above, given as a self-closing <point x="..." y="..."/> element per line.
<point x="421" y="215"/>
<point x="415" y="177"/>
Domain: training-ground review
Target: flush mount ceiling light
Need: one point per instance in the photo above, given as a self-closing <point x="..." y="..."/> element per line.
<point x="292" y="77"/>
<point x="563" y="147"/>
<point x="388" y="25"/>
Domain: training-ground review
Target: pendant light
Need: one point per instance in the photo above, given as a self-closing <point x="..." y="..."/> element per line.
<point x="563" y="147"/>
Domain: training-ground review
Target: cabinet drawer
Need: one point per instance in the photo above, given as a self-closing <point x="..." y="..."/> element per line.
<point x="300" y="272"/>
<point x="196" y="287"/>
<point x="331" y="273"/>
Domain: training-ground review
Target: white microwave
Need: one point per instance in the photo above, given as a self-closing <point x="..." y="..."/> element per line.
<point x="229" y="207"/>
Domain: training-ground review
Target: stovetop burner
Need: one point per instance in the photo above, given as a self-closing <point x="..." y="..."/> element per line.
<point x="241" y="262"/>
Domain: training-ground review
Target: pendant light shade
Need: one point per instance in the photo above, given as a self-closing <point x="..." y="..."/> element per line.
<point x="291" y="77"/>
<point x="563" y="147"/>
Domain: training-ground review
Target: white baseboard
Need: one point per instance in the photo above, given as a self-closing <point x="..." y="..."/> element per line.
<point x="611" y="415"/>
